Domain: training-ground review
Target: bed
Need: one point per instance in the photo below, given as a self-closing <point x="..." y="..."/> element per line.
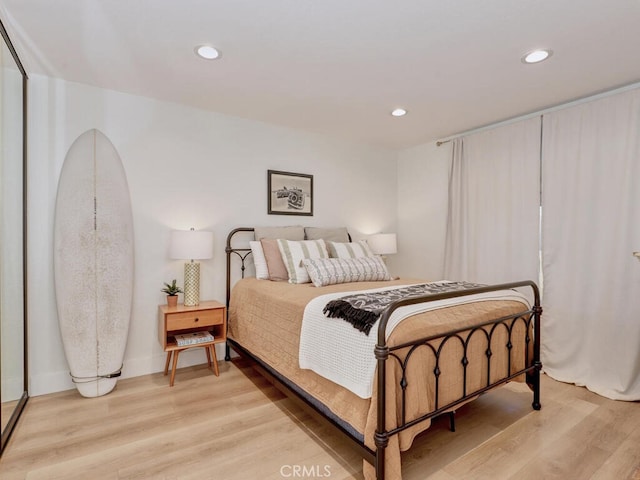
<point x="454" y="347"/>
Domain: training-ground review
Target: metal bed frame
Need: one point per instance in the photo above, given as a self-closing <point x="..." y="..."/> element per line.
<point x="385" y="353"/>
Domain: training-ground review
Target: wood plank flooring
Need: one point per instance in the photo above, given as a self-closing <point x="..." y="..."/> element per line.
<point x="238" y="426"/>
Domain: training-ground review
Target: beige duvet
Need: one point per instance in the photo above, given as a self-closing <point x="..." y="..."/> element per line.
<point x="265" y="318"/>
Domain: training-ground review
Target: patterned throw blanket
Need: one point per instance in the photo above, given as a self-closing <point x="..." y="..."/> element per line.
<point x="364" y="309"/>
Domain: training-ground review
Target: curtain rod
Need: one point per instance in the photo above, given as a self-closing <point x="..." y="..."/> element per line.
<point x="527" y="116"/>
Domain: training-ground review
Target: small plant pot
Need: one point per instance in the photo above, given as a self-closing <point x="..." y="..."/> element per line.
<point x="172" y="300"/>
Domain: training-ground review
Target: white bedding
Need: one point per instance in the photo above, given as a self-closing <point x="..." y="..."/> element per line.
<point x="334" y="349"/>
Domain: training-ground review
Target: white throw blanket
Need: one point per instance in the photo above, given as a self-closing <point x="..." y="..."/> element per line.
<point x="334" y="349"/>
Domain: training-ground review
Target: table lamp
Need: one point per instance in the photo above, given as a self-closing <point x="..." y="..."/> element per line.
<point x="191" y="245"/>
<point x="383" y="244"/>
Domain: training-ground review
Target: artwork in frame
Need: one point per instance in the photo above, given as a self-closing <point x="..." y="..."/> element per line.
<point x="289" y="193"/>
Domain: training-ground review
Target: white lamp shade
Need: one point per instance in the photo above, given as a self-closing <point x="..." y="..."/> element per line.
<point x="383" y="243"/>
<point x="191" y="245"/>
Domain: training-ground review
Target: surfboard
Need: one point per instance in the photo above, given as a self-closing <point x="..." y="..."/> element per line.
<point x="93" y="262"/>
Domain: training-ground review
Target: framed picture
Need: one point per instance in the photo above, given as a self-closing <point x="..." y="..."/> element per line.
<point x="289" y="193"/>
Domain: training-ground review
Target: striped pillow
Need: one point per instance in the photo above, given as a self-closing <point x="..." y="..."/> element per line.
<point x="329" y="271"/>
<point x="293" y="252"/>
<point x="349" y="250"/>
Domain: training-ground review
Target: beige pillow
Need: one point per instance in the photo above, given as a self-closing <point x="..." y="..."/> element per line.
<point x="275" y="264"/>
<point x="327" y="234"/>
<point x="288" y="233"/>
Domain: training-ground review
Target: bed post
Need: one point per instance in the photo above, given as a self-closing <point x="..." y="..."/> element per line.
<point x="535" y="375"/>
<point x="242" y="253"/>
<point x="381" y="437"/>
<point x="227" y="351"/>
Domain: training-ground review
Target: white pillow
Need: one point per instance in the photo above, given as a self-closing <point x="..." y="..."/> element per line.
<point x="329" y="271"/>
<point x="349" y="250"/>
<point x="262" y="272"/>
<point x="293" y="252"/>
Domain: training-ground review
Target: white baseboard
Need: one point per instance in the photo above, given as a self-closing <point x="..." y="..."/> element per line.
<point x="133" y="367"/>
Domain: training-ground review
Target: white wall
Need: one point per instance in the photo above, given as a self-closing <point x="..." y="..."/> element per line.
<point x="423" y="176"/>
<point x="186" y="168"/>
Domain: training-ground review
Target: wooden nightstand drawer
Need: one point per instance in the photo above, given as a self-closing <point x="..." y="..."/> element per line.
<point x="202" y="318"/>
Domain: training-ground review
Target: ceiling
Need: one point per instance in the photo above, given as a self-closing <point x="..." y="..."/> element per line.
<point x="338" y="67"/>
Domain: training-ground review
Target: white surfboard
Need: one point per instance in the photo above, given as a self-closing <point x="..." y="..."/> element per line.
<point x="93" y="262"/>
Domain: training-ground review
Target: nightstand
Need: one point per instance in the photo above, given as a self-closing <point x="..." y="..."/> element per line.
<point x="208" y="316"/>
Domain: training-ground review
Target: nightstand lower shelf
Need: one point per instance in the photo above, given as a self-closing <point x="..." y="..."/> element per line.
<point x="174" y="351"/>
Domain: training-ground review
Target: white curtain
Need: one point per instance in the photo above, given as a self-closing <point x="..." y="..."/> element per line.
<point x="590" y="227"/>
<point x="494" y="205"/>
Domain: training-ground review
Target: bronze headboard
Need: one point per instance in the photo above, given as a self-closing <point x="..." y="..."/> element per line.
<point x="242" y="253"/>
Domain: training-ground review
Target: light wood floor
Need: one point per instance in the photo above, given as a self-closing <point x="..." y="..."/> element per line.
<point x="237" y="426"/>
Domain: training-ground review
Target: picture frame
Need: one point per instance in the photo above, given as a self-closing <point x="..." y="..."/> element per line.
<point x="289" y="193"/>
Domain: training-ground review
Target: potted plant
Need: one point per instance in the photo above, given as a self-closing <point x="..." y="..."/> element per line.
<point x="172" y="290"/>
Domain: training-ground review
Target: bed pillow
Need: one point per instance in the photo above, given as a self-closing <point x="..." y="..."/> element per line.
<point x="259" y="261"/>
<point x="329" y="271"/>
<point x="326" y="234"/>
<point x="290" y="233"/>
<point x="273" y="257"/>
<point x="349" y="249"/>
<point x="294" y="252"/>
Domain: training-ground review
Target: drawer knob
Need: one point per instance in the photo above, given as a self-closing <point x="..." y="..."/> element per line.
<point x="196" y="319"/>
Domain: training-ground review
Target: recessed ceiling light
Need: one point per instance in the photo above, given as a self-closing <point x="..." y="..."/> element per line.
<point x="207" y="52"/>
<point x="399" y="112"/>
<point x="536" y="56"/>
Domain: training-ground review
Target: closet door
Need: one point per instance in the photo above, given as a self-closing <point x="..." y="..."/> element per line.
<point x="13" y="378"/>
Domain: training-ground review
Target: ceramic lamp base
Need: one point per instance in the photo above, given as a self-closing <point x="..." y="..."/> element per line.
<point x="191" y="284"/>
